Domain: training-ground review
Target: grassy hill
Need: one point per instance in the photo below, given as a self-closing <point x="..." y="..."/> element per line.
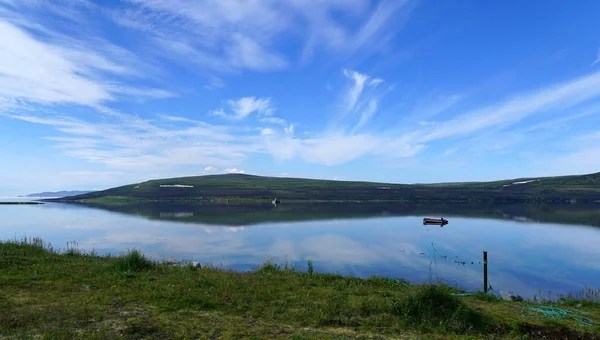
<point x="236" y="188"/>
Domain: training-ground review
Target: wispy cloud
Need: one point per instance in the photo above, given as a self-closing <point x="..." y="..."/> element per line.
<point x="63" y="69"/>
<point x="236" y="35"/>
<point x="210" y="169"/>
<point x="241" y="108"/>
<point x="214" y="83"/>
<point x="125" y="142"/>
<point x="517" y="108"/>
<point x="597" y="58"/>
<point x="361" y="99"/>
<point x="274" y="120"/>
<point x="431" y="106"/>
<point x="386" y="19"/>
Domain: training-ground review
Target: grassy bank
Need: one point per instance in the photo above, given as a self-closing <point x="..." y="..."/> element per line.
<point x="75" y="295"/>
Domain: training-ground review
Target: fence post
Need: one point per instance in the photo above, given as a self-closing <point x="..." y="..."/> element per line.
<point x="485" y="278"/>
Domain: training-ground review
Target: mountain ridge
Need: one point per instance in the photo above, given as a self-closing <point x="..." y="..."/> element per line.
<point x="58" y="194"/>
<point x="244" y="188"/>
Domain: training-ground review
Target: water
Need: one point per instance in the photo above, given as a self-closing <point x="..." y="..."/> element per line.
<point x="525" y="254"/>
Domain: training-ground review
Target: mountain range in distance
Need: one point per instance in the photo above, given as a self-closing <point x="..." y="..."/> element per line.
<point x="57" y="194"/>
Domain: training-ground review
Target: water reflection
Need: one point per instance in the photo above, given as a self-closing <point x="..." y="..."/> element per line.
<point x="260" y="214"/>
<point x="388" y="241"/>
<point x="181" y="214"/>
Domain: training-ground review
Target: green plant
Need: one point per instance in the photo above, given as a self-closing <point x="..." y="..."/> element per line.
<point x="434" y="307"/>
<point x="311" y="267"/>
<point x="134" y="261"/>
<point x="486" y="297"/>
<point x="269" y="266"/>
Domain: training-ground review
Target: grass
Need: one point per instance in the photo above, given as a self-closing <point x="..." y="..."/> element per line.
<point x="74" y="294"/>
<point x="432" y="307"/>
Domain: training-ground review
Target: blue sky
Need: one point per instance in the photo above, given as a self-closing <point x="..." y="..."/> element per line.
<point x="98" y="94"/>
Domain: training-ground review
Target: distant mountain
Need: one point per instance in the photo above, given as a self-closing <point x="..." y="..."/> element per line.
<point x="58" y="194"/>
<point x="241" y="189"/>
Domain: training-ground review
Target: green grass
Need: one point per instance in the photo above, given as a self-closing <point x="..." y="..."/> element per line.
<point x="433" y="307"/>
<point x="134" y="261"/>
<point x="74" y="294"/>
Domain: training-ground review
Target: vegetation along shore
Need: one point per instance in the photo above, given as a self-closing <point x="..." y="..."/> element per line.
<point x="69" y="294"/>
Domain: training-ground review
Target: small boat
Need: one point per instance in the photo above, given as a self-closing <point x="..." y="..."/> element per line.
<point x="441" y="221"/>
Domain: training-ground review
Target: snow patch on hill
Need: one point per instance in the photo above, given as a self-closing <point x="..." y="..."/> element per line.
<point x="521" y="182"/>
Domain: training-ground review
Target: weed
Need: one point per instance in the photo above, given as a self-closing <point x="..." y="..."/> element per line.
<point x="487" y="297"/>
<point x="134" y="261"/>
<point x="434" y="307"/>
<point x="311" y="267"/>
<point x="270" y="266"/>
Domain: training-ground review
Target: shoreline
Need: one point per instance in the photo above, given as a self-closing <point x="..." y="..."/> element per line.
<point x="21" y="203"/>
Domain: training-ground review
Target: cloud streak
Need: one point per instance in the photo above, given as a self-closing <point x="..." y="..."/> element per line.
<point x="597" y="58"/>
<point x="519" y="107"/>
<point x="66" y="71"/>
<point x="226" y="36"/>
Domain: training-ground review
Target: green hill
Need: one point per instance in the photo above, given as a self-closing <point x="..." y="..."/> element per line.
<point x="242" y="189"/>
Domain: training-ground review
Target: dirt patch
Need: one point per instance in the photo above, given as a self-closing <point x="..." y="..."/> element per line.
<point x="554" y="333"/>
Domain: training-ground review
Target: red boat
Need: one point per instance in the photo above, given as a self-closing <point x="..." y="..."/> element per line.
<point x="441" y="221"/>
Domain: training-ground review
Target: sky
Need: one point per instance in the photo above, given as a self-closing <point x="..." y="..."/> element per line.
<point x="95" y="94"/>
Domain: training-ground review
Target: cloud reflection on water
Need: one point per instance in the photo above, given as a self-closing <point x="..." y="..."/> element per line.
<point x="523" y="257"/>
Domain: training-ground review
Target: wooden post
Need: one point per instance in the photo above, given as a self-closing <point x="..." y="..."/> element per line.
<point x="485" y="278"/>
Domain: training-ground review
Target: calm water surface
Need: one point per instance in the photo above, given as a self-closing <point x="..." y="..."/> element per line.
<point x="523" y="257"/>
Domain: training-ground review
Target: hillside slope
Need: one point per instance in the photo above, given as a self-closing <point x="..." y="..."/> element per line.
<point x="236" y="188"/>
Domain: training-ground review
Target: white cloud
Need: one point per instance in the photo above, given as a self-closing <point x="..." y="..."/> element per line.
<point x="125" y="142"/>
<point x="244" y="52"/>
<point x="560" y="96"/>
<point x="243" y="107"/>
<point x="247" y="105"/>
<point x="210" y="169"/>
<point x="64" y="72"/>
<point x="273" y="120"/>
<point x="431" y="106"/>
<point x="219" y="113"/>
<point x="361" y="99"/>
<point x="597" y="58"/>
<point x="267" y="132"/>
<point x="234" y="34"/>
<point x="38" y="72"/>
<point x="356" y="90"/>
<point x="140" y="92"/>
<point x="214" y="83"/>
<point x="381" y="25"/>
<point x="234" y="171"/>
